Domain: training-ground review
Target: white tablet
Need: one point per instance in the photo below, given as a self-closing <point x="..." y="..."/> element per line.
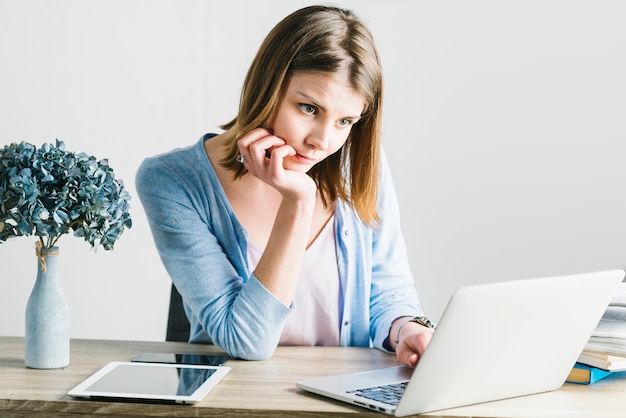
<point x="150" y="382"/>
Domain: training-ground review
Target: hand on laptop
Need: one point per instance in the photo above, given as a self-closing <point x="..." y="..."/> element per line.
<point x="412" y="341"/>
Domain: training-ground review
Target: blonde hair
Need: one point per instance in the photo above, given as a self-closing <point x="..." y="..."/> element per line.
<point x="320" y="39"/>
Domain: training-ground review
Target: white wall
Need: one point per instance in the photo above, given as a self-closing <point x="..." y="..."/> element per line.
<point x="504" y="124"/>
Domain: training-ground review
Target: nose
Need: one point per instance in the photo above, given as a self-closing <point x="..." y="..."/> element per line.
<point x="320" y="137"/>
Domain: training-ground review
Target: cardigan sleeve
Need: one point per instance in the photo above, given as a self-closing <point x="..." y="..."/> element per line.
<point x="200" y="247"/>
<point x="393" y="292"/>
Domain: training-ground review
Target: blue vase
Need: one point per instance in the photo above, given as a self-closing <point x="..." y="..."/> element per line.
<point x="47" y="334"/>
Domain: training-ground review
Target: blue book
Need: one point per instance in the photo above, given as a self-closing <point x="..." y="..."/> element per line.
<point x="585" y="375"/>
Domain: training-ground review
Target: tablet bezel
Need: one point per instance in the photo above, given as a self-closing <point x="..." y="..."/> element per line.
<point x="82" y="390"/>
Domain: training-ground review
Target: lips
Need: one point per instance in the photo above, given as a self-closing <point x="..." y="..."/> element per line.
<point x="304" y="159"/>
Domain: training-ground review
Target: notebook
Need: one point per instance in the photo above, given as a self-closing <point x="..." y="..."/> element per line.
<point x="494" y="341"/>
<point x="150" y="382"/>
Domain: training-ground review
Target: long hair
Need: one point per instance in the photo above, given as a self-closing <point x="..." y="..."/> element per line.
<point x="320" y="39"/>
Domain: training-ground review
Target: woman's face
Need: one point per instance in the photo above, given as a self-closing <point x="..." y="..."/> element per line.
<point x="314" y="116"/>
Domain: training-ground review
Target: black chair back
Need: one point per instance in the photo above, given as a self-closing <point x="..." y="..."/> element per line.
<point x="177" y="322"/>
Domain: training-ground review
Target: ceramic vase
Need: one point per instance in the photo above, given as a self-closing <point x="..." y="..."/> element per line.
<point x="47" y="334"/>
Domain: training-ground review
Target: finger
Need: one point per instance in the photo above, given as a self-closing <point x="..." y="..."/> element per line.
<point x="251" y="137"/>
<point x="244" y="143"/>
<point x="410" y="349"/>
<point x="279" y="151"/>
<point x="407" y="354"/>
<point x="412" y="360"/>
<point x="263" y="148"/>
<point x="256" y="144"/>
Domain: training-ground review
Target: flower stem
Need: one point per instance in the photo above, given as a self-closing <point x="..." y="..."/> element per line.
<point x="53" y="240"/>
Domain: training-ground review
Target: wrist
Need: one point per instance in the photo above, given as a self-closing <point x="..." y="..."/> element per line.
<point x="421" y="320"/>
<point x="393" y="332"/>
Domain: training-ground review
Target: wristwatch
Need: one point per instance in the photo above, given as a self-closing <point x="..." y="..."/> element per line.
<point x="422" y="320"/>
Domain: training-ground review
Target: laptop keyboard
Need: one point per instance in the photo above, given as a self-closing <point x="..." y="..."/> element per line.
<point x="389" y="394"/>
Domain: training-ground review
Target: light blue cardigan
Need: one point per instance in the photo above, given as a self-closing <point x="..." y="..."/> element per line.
<point x="203" y="247"/>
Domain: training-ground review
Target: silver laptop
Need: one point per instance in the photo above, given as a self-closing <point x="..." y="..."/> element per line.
<point x="494" y="341"/>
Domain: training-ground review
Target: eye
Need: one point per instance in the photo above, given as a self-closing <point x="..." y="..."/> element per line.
<point x="345" y="122"/>
<point x="309" y="109"/>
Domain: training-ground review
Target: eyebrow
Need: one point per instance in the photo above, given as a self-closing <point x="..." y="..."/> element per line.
<point x="316" y="104"/>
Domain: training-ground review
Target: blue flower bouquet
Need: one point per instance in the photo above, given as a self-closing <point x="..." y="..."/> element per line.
<point x="48" y="192"/>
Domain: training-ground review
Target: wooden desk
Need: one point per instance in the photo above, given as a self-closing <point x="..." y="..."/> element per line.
<point x="261" y="388"/>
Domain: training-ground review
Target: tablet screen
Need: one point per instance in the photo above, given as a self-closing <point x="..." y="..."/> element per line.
<point x="166" y="382"/>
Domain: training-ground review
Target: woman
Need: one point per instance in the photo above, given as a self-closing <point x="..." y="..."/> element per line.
<point x="283" y="229"/>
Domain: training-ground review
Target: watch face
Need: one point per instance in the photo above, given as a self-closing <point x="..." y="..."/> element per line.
<point x="422" y="320"/>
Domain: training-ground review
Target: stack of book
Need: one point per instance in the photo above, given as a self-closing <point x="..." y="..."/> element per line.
<point x="605" y="352"/>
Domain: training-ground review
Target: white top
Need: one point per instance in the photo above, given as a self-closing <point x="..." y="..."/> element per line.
<point x="317" y="303"/>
